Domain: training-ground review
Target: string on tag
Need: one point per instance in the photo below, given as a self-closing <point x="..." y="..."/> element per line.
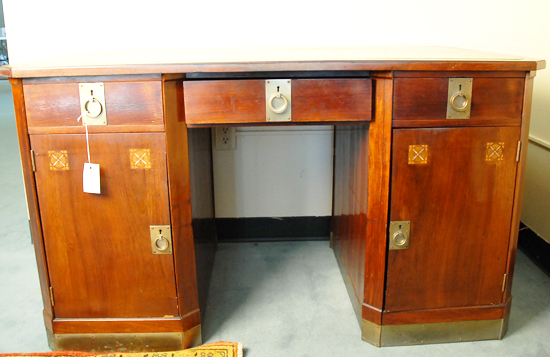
<point x="87" y="140"/>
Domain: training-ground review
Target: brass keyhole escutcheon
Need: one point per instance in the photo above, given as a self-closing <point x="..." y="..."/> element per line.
<point x="161" y="239"/>
<point x="399" y="235"/>
<point x="278" y="100"/>
<point x="459" y="98"/>
<point x="93" y="107"/>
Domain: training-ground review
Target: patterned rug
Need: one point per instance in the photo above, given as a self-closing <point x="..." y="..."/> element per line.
<point x="218" y="349"/>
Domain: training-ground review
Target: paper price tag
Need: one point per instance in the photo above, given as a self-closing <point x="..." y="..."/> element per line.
<point x="91" y="178"/>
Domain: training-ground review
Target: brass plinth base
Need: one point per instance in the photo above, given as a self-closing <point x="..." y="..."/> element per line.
<point x="428" y="333"/>
<point x="127" y="342"/>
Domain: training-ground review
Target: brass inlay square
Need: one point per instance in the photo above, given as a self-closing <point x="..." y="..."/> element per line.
<point x="495" y="152"/>
<point x="418" y="154"/>
<point x="59" y="160"/>
<point x="140" y="158"/>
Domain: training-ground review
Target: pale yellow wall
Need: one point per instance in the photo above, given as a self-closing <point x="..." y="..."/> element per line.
<point x="1" y="14"/>
<point x="536" y="199"/>
<point x="536" y="206"/>
<point x="39" y="29"/>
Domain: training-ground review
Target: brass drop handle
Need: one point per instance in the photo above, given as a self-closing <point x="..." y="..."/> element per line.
<point x="400" y="238"/>
<point x="95" y="113"/>
<point x="161" y="239"/>
<point x="400" y="234"/>
<point x="281" y="109"/>
<point x="464" y="105"/>
<point x="162" y="243"/>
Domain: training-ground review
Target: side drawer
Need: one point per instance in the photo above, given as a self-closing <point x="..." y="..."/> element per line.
<point x="494" y="99"/>
<point x="244" y="101"/>
<point x="51" y="105"/>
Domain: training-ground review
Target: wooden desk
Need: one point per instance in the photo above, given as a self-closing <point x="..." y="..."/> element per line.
<point x="399" y="163"/>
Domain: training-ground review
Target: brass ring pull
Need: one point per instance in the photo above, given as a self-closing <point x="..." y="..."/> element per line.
<point x="162" y="246"/>
<point x="88" y="113"/>
<point x="464" y="105"/>
<point x="400" y="238"/>
<point x="281" y="109"/>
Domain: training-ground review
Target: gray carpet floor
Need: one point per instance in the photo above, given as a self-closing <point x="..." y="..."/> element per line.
<point x="278" y="299"/>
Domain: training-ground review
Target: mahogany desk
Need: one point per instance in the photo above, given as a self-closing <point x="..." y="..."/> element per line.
<point x="429" y="160"/>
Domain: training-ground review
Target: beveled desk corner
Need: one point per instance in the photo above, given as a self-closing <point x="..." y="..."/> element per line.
<point x="429" y="165"/>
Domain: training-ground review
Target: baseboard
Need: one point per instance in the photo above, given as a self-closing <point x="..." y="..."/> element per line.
<point x="534" y="247"/>
<point x="252" y="229"/>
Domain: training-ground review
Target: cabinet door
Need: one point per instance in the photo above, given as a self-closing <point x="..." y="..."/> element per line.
<point x="98" y="247"/>
<point x="455" y="186"/>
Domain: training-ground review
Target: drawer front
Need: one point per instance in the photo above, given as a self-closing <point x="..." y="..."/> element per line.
<point x="244" y="101"/>
<point x="127" y="103"/>
<point x="493" y="99"/>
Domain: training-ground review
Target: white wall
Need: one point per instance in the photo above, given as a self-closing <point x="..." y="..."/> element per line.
<point x="275" y="172"/>
<point x="38" y="29"/>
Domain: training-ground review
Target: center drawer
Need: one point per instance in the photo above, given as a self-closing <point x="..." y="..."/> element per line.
<point x="242" y="102"/>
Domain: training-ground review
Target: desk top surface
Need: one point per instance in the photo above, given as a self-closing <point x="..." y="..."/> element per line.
<point x="271" y="59"/>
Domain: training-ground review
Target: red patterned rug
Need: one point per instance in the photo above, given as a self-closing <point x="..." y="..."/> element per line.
<point x="225" y="349"/>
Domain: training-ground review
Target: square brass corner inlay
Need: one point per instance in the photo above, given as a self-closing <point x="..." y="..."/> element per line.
<point x="418" y="154"/>
<point x="140" y="158"/>
<point x="59" y="160"/>
<point x="495" y="152"/>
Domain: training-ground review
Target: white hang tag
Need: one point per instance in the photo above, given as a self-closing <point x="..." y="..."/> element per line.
<point x="91" y="178"/>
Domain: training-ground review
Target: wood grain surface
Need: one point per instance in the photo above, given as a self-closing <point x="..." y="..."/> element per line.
<point x="380" y="137"/>
<point x="30" y="190"/>
<point x="489" y="312"/>
<point x="244" y="101"/>
<point x="98" y="247"/>
<point x="350" y="200"/>
<point x="372" y="314"/>
<point x="459" y="205"/>
<point x="179" y="181"/>
<point x="40" y="130"/>
<point x="235" y="59"/>
<point x="520" y="183"/>
<point x="360" y="203"/>
<point x="451" y="74"/>
<point x="493" y="99"/>
<point x="126" y="103"/>
<point x="64" y="326"/>
<point x="439" y="123"/>
<point x="331" y="100"/>
<point x="227" y="102"/>
<point x="91" y="79"/>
